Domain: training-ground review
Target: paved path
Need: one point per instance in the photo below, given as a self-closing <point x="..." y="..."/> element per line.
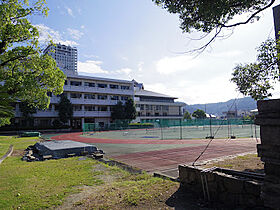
<point x="164" y="155"/>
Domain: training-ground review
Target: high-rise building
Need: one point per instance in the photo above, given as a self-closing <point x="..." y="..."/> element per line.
<point x="65" y="56"/>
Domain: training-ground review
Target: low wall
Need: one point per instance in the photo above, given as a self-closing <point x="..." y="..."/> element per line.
<point x="226" y="189"/>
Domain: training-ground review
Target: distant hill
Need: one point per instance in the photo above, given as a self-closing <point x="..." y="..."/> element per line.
<point x="217" y="109"/>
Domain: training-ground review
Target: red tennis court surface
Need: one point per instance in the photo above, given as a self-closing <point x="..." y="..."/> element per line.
<point x="164" y="155"/>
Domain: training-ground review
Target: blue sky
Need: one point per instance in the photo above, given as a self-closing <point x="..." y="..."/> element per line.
<point x="135" y="39"/>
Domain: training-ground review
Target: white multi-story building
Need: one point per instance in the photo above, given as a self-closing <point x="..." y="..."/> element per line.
<point x="93" y="97"/>
<point x="65" y="56"/>
<point x="155" y="107"/>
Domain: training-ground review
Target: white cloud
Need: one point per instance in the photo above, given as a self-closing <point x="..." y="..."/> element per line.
<point x="170" y="65"/>
<point x="91" y="67"/>
<point x="124" y="58"/>
<point x="74" y="33"/>
<point x="69" y="11"/>
<point x="82" y="27"/>
<point x="91" y="56"/>
<point x="140" y="66"/>
<point x="124" y="71"/>
<point x="227" y="54"/>
<point x="46" y="34"/>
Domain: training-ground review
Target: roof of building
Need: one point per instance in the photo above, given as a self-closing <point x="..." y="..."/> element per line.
<point x="98" y="78"/>
<point x="151" y="94"/>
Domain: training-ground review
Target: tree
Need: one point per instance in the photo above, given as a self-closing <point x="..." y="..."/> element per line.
<point x="27" y="111"/>
<point x="257" y="79"/>
<point x="129" y="110"/>
<point x="122" y="111"/>
<point x="25" y="73"/>
<point x="213" y="16"/>
<point x="65" y="109"/>
<point x="199" y="114"/>
<point x="117" y="111"/>
<point x="187" y="116"/>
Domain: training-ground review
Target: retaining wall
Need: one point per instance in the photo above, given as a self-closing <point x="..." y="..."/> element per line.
<point x="231" y="191"/>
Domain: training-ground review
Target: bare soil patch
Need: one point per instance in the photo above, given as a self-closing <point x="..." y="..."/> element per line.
<point x="249" y="162"/>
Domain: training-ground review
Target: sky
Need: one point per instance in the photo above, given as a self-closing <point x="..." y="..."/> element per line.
<point x="136" y="39"/>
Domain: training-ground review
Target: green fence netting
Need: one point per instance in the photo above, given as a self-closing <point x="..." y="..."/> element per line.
<point x="174" y="129"/>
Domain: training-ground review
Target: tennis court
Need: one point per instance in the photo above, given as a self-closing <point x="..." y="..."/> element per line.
<point x="180" y="132"/>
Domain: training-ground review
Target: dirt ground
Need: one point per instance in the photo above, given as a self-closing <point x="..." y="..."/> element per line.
<point x="249" y="162"/>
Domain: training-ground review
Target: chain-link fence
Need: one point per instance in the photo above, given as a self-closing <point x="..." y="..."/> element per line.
<point x="175" y="129"/>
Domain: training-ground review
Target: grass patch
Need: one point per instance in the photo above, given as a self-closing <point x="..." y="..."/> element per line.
<point x="129" y="191"/>
<point x="46" y="184"/>
<point x="19" y="143"/>
<point x="36" y="185"/>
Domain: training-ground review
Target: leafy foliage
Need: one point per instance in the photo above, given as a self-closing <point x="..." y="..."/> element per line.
<point x="25" y="73"/>
<point x="122" y="111"/>
<point x="187" y="116"/>
<point x="199" y="114"/>
<point x="27" y="111"/>
<point x="208" y="16"/>
<point x="65" y="109"/>
<point x="117" y="111"/>
<point x="257" y="79"/>
<point x="129" y="108"/>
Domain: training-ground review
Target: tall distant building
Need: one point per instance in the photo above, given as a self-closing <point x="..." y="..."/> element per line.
<point x="65" y="56"/>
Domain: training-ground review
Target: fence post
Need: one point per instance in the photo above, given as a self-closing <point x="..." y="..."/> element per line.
<point x="181" y="129"/>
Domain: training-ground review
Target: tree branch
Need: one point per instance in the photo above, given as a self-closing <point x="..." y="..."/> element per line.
<point x="250" y="18"/>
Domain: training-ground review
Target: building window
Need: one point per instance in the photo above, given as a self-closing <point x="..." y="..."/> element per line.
<point x="102" y="85"/>
<point x="164" y="114"/>
<point x="89" y="96"/>
<point x="75" y="83"/>
<point x="102" y="108"/>
<point x="89" y="108"/>
<point x="158" y="107"/>
<point x="89" y="84"/>
<point x="147" y="107"/>
<point x="114" y="86"/>
<point x="77" y="108"/>
<point x="165" y="108"/>
<point x="125" y="87"/>
<point x="75" y="95"/>
<point x="114" y="98"/>
<point x="102" y="97"/>
<point x="65" y="82"/>
<point x="142" y="107"/>
<point x="124" y="98"/>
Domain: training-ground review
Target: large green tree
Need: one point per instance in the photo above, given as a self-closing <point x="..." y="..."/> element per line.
<point x="257" y="79"/>
<point x="199" y="114"/>
<point x="26" y="74"/>
<point x="129" y="110"/>
<point x="65" y="109"/>
<point x="117" y="111"/>
<point x="125" y="111"/>
<point x="213" y="16"/>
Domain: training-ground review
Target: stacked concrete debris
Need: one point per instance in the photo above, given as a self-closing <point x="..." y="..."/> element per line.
<point x="60" y="149"/>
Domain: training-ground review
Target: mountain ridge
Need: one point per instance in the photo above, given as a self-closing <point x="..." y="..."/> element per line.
<point x="245" y="104"/>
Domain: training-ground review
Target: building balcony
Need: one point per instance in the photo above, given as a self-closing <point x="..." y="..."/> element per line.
<point x="86" y="89"/>
<point x="92" y="114"/>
